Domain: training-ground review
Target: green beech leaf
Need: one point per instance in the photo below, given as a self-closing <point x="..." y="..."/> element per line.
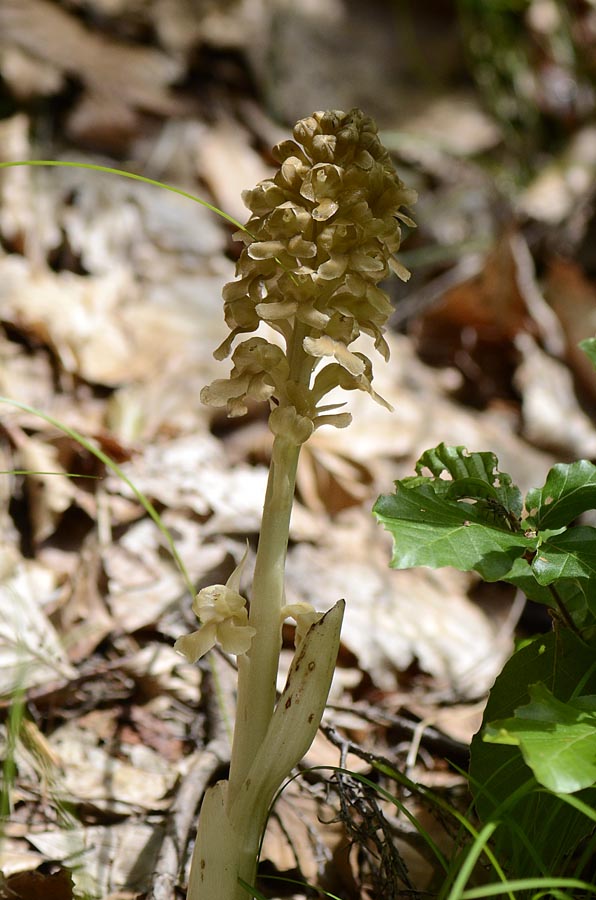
<point x="523" y="576"/>
<point x="589" y="348"/>
<point x="557" y="740"/>
<point x="552" y="828"/>
<point x="572" y="592"/>
<point x="434" y="531"/>
<point x="570" y="555"/>
<point x="569" y="490"/>
<point x="474" y="476"/>
<point x="469" y="520"/>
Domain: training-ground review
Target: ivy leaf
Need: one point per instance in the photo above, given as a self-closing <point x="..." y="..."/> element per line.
<point x="557" y="740"/>
<point x="569" y="490"/>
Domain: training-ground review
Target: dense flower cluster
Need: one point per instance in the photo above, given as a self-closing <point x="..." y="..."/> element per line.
<point x="322" y="235"/>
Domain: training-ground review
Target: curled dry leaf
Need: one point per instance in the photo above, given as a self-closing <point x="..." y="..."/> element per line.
<point x="552" y="416"/>
<point x="394" y="618"/>
<point x="31" y="651"/>
<point x="48" y="495"/>
<point x="115" y="857"/>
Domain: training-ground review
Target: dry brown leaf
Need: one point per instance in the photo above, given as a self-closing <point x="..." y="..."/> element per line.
<point x="393" y="618"/>
<point x="27" y="206"/>
<point x="15" y="854"/>
<point x="552" y="416"/>
<point x="564" y="183"/>
<point x="84" y="617"/>
<point x="29" y="77"/>
<point x="229" y="165"/>
<point x="118" y="77"/>
<point x="26" y="377"/>
<point x="159" y="235"/>
<point x="490" y="303"/>
<point x="31" y="652"/>
<point x="460" y="722"/>
<point x="106" y="332"/>
<point x="454" y="123"/>
<point x="473" y="324"/>
<point x="48" y="495"/>
<point x="190" y="473"/>
<point x="572" y="295"/>
<point x="142" y="581"/>
<point x="387" y="444"/>
<point x="139" y="777"/>
<point x="163" y="673"/>
<point x="34" y="885"/>
<point x="291" y="842"/>
<point x="113" y="857"/>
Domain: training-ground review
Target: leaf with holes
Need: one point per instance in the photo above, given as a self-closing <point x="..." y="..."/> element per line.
<point x="469" y="519"/>
<point x="569" y="490"/>
<point x="569" y="556"/>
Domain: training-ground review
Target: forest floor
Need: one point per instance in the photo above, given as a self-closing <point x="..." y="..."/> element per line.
<point x="110" y="309"/>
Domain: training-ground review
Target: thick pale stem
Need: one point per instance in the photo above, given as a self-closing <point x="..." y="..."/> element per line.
<point x="216" y="866"/>
<point x="257" y="680"/>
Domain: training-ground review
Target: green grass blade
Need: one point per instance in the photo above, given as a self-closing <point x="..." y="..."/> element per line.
<point x="301" y="884"/>
<point x="470" y="861"/>
<point x="38" y="472"/>
<point x="251" y="891"/>
<point x="9" y="768"/>
<point x="124" y="174"/>
<point x="445" y="807"/>
<point x="526" y="884"/>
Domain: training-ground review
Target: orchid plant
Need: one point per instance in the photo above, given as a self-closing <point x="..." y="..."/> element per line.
<point x="322" y="234"/>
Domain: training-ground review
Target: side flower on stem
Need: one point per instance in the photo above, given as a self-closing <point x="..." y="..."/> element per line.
<point x="222" y="612"/>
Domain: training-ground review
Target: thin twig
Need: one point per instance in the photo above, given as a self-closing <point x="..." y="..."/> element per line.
<point x="183" y="812"/>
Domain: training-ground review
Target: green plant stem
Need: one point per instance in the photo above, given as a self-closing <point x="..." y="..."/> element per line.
<point x="564" y="612"/>
<point x="257" y="680"/>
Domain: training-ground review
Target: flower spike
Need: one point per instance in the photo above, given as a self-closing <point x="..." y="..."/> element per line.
<point x="323" y="233"/>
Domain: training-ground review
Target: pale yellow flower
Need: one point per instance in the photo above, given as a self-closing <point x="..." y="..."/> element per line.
<point x="304" y="614"/>
<point x="221" y="609"/>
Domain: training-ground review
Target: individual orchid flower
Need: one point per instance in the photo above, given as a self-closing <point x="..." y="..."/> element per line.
<point x="221" y="609"/>
<point x="304" y="614"/>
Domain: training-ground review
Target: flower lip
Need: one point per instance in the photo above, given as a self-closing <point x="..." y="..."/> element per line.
<point x="304" y="614"/>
